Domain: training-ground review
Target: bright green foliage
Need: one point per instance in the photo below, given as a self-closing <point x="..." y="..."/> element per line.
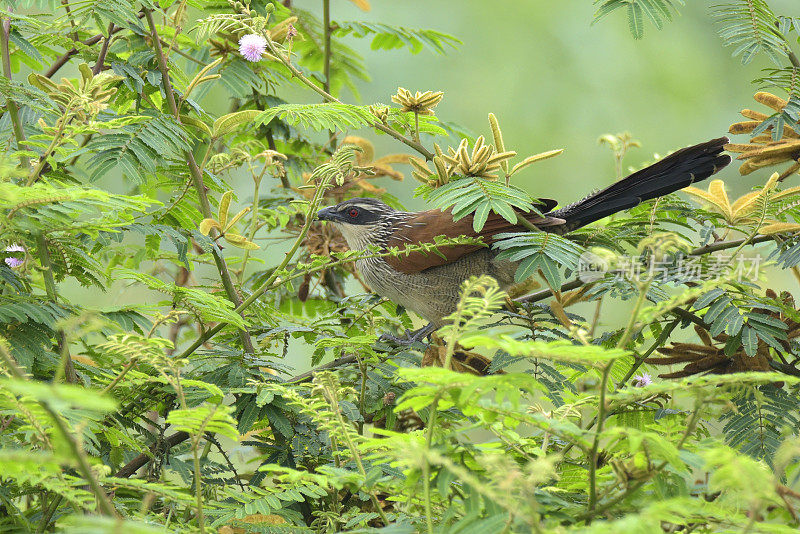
<point x="319" y="116"/>
<point x="162" y="276"/>
<point x="535" y="251"/>
<point x="751" y="28"/>
<point x="656" y="11"/>
<point x="480" y="196"/>
<point x="386" y="37"/>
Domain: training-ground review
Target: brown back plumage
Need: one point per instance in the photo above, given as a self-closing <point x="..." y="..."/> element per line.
<point x="673" y="172"/>
<point x="423" y="227"/>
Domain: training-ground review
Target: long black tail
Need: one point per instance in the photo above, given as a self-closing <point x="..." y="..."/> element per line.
<point x="674" y="172"/>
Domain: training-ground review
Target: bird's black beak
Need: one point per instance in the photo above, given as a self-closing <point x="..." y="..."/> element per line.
<point x="327" y="214"/>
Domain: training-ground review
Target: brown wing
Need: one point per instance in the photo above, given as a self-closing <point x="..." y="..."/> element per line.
<point x="426" y="225"/>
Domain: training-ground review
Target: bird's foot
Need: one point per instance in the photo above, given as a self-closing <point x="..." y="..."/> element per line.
<point x="410" y="336"/>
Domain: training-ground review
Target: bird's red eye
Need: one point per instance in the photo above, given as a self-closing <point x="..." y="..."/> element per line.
<point x="353" y="213"/>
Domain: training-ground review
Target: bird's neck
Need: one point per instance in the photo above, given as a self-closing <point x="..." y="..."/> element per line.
<point x="364" y="236"/>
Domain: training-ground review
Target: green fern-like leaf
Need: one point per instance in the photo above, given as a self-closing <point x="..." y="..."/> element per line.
<point x="319" y="117"/>
<point x="657" y="11"/>
<point x="539" y="251"/>
<point x="386" y="37"/>
<point x="62" y="207"/>
<point x="480" y="196"/>
<point x="139" y="149"/>
<point x="749" y="26"/>
<point x="761" y="417"/>
<point x="207" y="306"/>
<point x="206" y="418"/>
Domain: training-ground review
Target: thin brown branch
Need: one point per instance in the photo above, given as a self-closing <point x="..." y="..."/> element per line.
<point x="74" y="34"/>
<point x="790" y="171"/>
<point x="330" y="98"/>
<point x="64" y="59"/>
<point x="134" y="465"/>
<point x="309" y="375"/>
<point x="197" y="177"/>
<point x="793" y="59"/>
<point x="101" y="58"/>
<point x="784" y="368"/>
<point x="326" y="29"/>
<point x="689" y="316"/>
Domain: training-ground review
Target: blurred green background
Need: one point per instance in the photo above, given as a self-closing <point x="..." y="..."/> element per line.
<point x="554" y="80"/>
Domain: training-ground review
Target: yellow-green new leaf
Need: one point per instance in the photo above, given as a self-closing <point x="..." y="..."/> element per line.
<point x="186" y="120"/>
<point x="206" y="225"/>
<point x="239" y="241"/>
<point x="498" y="140"/>
<point x="715" y="196"/>
<point x="533" y="159"/>
<point x="779" y="228"/>
<point x="201" y="77"/>
<point x="230" y="122"/>
<point x="237" y="217"/>
<point x="224" y="206"/>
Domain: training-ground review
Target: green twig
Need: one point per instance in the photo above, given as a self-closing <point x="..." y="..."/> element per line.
<point x="198" y="489"/>
<point x="331" y="397"/>
<point x="254" y="221"/>
<point x="48" y="513"/>
<point x="13" y="110"/>
<point x="78" y="455"/>
<point x="330" y="98"/>
<point x="628" y="333"/>
<point x="690" y="426"/>
<point x="656" y="344"/>
<point x="267" y="285"/>
<point x="601" y="416"/>
<point x="326" y="66"/>
<point x="67" y="368"/>
<point x="62" y="125"/>
<point x="197" y="178"/>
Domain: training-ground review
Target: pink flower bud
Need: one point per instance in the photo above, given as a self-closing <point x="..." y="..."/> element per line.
<point x="16" y="260"/>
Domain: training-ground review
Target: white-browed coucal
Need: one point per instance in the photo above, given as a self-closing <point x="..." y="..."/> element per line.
<point x="429" y="284"/>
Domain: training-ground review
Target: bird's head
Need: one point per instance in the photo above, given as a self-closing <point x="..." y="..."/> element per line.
<point x="362" y="221"/>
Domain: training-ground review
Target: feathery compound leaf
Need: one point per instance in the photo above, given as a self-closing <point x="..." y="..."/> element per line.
<point x="539" y="251"/>
<point x="139" y="149"/>
<point x="230" y="122"/>
<point x="58" y="206"/>
<point x="658" y="11"/>
<point x="478" y="195"/>
<point x="558" y="351"/>
<point x="205" y="305"/>
<point x="750" y="27"/>
<point x="319" y="117"/>
<point x="386" y="37"/>
<point x="206" y="418"/>
<point x="757" y="424"/>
